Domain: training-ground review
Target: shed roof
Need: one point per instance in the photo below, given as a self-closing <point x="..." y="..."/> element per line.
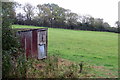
<point x="31" y="29"/>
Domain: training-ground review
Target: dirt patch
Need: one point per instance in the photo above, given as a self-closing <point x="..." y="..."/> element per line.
<point x="64" y="62"/>
<point x="60" y="62"/>
<point x="40" y="66"/>
<point x="104" y="71"/>
<point x="98" y="67"/>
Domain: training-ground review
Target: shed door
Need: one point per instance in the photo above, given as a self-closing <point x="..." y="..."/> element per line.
<point x="41" y="44"/>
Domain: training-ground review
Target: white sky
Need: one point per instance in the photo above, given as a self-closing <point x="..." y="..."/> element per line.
<point x="106" y="9"/>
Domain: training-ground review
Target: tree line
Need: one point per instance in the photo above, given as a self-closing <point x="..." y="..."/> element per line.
<point x="54" y="16"/>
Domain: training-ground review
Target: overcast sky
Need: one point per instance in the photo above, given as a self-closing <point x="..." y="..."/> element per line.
<point x="106" y="9"/>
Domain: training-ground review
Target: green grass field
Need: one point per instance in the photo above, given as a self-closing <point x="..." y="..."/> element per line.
<point x="92" y="47"/>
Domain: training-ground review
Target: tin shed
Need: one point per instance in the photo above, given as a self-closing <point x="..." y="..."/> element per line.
<point x="34" y="42"/>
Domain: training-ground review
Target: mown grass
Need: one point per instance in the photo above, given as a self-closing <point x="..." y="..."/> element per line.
<point x="95" y="48"/>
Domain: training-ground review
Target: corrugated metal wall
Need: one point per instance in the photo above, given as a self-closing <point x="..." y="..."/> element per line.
<point x="34" y="44"/>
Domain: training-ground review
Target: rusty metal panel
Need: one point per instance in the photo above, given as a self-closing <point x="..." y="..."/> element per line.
<point x="34" y="43"/>
<point x="22" y="39"/>
<point x="42" y="37"/>
<point x="42" y="52"/>
<point x="28" y="36"/>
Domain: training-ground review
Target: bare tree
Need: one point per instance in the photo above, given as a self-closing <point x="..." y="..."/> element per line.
<point x="29" y="11"/>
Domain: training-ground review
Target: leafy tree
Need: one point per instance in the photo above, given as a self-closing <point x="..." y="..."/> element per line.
<point x="99" y="24"/>
<point x="8" y="38"/>
<point x="10" y="44"/>
<point x="71" y="19"/>
<point x="51" y="14"/>
<point x="44" y="14"/>
<point x="117" y="23"/>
